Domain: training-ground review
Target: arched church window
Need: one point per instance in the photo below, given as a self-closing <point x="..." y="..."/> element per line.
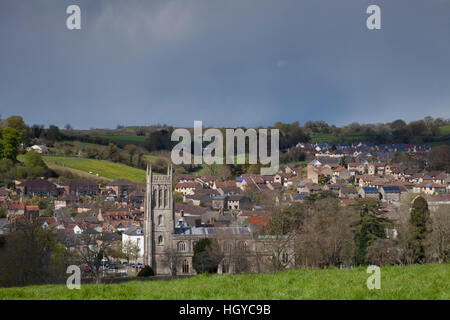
<point x="160" y="220"/>
<point x="285" y="258"/>
<point x="165" y="198"/>
<point x="181" y="246"/>
<point x="243" y="246"/>
<point x="154" y="198"/>
<point x="227" y="247"/>
<point x="185" y="266"/>
<point x="159" y="198"/>
<point x="160" y="240"/>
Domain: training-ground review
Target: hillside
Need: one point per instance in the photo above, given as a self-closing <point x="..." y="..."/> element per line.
<point x="126" y="139"/>
<point x="106" y="169"/>
<point x="401" y="282"/>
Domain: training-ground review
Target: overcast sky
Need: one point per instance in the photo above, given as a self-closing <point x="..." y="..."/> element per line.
<point x="227" y="62"/>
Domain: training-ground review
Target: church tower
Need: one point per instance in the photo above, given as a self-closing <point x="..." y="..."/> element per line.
<point x="159" y="218"/>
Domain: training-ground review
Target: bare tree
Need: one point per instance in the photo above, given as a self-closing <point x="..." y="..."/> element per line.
<point x="207" y="255"/>
<point x="326" y="237"/>
<point x="437" y="244"/>
<point x="275" y="253"/>
<point x="225" y="172"/>
<point x="91" y="251"/>
<point x="239" y="259"/>
<point x="233" y="253"/>
<point x="131" y="251"/>
<point x="171" y="260"/>
<point x="383" y="252"/>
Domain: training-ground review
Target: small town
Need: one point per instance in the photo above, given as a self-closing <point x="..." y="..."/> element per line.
<point x="99" y="224"/>
<point x="225" y="159"/>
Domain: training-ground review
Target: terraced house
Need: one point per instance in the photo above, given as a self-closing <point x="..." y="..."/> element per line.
<point x="80" y="187"/>
<point x="38" y="187"/>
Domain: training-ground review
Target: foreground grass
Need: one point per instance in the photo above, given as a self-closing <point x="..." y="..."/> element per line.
<point x="410" y="282"/>
<point x="103" y="168"/>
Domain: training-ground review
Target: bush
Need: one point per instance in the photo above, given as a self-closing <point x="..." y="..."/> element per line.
<point x="146" y="272"/>
<point x="207" y="256"/>
<point x="383" y="252"/>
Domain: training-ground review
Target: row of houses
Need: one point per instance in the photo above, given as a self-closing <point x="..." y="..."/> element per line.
<point x="120" y="188"/>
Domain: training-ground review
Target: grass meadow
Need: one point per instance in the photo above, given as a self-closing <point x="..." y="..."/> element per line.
<point x="397" y="282"/>
<point x="103" y="168"/>
<point x="445" y="129"/>
<point x="126" y="139"/>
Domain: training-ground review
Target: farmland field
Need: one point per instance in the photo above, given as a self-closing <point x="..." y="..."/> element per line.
<point x="445" y="129"/>
<point x="126" y="139"/>
<point x="103" y="168"/>
<point x="399" y="282"/>
<point x="328" y="137"/>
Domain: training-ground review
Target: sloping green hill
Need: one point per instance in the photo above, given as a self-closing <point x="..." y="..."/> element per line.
<point x="406" y="282"/>
<point x="103" y="168"/>
<point x="126" y="139"/>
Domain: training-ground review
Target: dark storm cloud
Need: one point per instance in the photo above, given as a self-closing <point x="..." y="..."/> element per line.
<point x="235" y="62"/>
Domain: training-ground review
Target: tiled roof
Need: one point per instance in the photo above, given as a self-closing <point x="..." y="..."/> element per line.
<point x="16" y="205"/>
<point x="121" y="182"/>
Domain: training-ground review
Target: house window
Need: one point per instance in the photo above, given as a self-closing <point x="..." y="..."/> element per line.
<point x="185" y="266"/>
<point x="160" y="220"/>
<point x="181" y="246"/>
<point x="160" y="240"/>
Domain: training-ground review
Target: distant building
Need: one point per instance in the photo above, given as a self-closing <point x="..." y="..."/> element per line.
<point x="80" y="187"/>
<point x="38" y="187"/>
<point x="369" y="193"/>
<point x="136" y="236"/>
<point x="121" y="187"/>
<point x="38" y="148"/>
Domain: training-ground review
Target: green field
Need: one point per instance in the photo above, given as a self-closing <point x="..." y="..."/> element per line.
<point x="103" y="168"/>
<point x="328" y="137"/>
<point x="445" y="129"/>
<point x="410" y="282"/>
<point x="126" y="139"/>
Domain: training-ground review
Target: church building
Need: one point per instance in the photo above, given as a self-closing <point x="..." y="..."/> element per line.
<point x="169" y="244"/>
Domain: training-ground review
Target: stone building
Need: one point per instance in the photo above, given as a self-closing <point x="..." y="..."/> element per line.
<point x="169" y="244"/>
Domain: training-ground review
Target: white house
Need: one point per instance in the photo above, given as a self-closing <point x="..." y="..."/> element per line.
<point x="135" y="235"/>
<point x="38" y="148"/>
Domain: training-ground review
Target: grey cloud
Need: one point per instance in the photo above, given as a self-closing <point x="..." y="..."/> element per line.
<point x="249" y="62"/>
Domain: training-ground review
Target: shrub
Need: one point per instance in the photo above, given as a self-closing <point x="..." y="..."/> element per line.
<point x="146" y="272"/>
<point x="383" y="252"/>
<point x="207" y="256"/>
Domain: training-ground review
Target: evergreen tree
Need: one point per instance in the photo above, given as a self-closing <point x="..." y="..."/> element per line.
<point x="419" y="224"/>
<point x="370" y="227"/>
